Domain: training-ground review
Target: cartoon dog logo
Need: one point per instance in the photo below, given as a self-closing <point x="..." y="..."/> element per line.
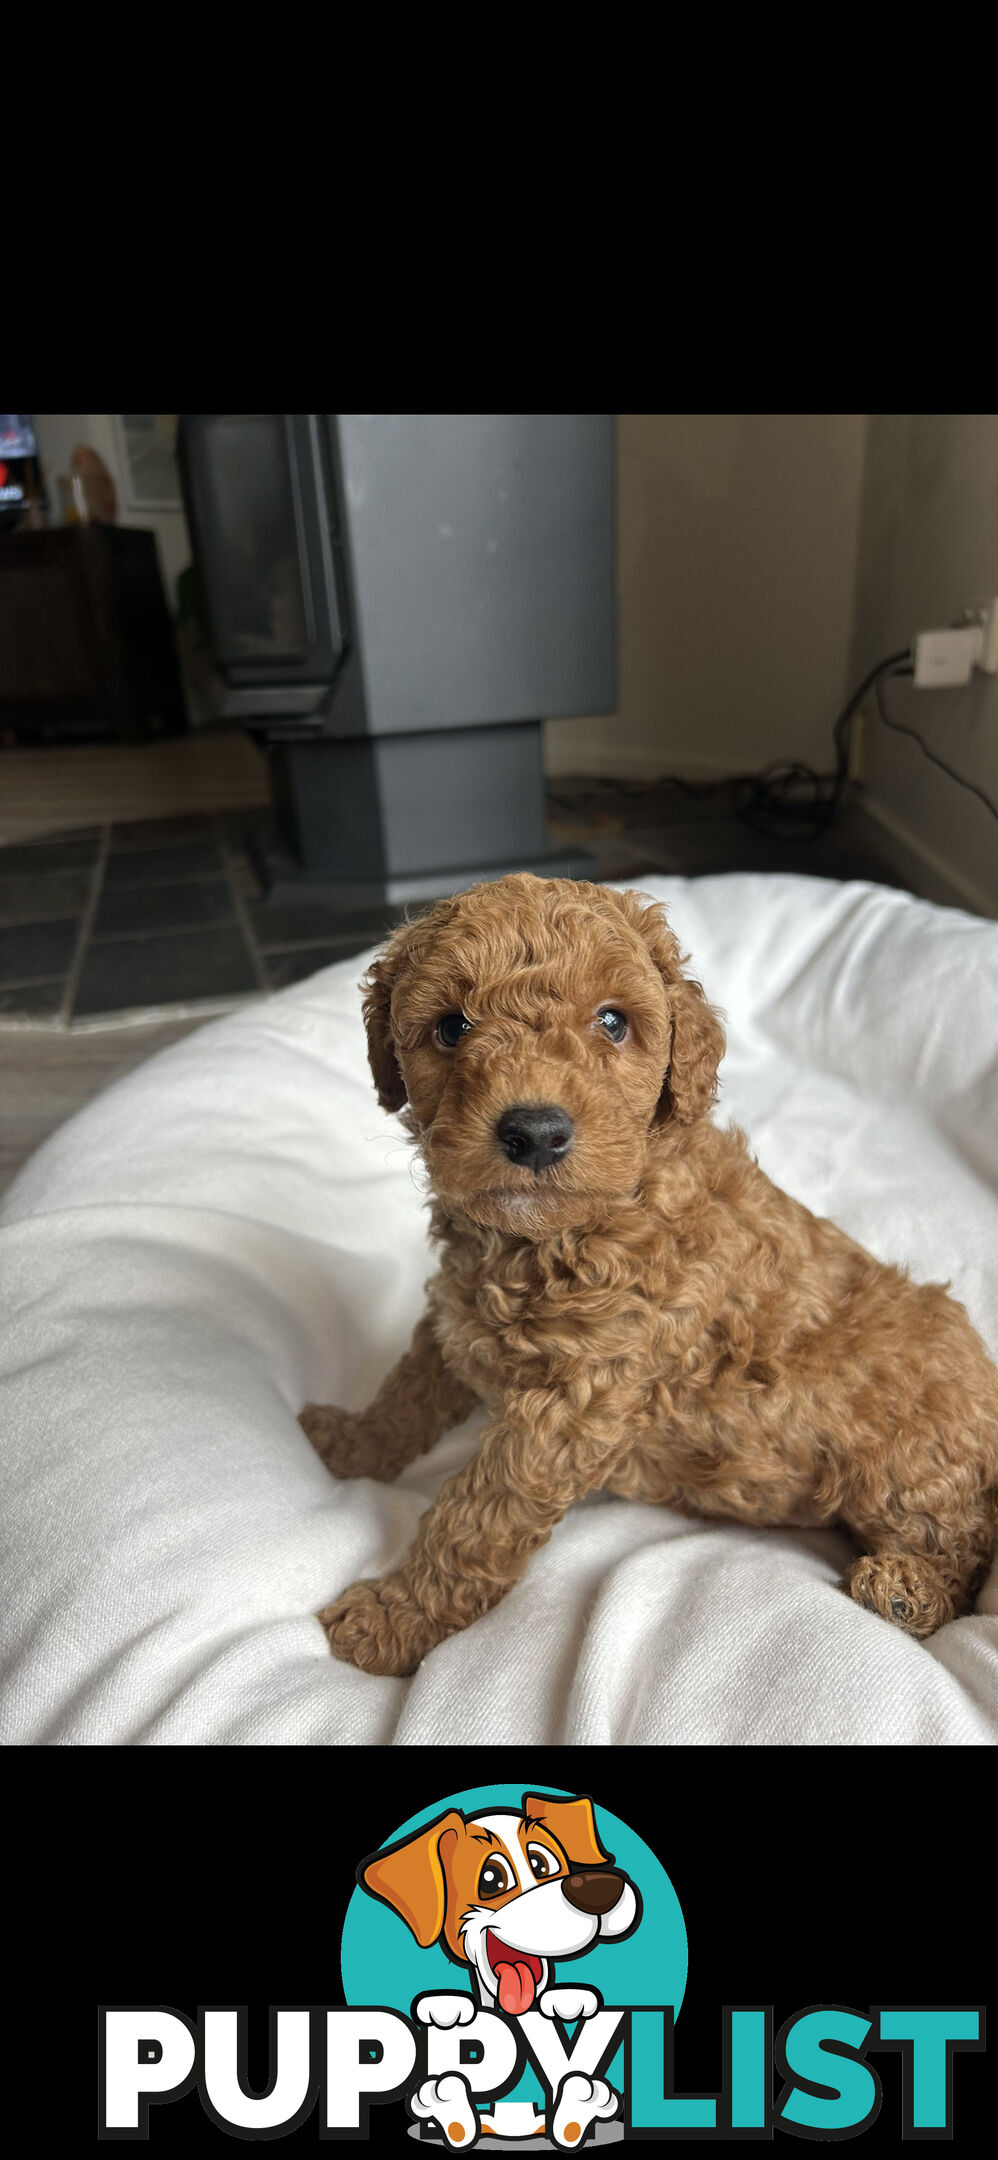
<point x="506" y="1893"/>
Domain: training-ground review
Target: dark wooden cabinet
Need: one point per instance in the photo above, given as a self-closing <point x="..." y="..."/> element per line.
<point x="86" y="642"/>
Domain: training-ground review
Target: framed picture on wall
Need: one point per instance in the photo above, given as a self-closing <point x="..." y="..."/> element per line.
<point x="147" y="446"/>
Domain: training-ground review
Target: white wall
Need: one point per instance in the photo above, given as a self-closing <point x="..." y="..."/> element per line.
<point x="766" y="561"/>
<point x="58" y="435"/>
<point x="737" y="543"/>
<point x="928" y="548"/>
<point x="737" y="554"/>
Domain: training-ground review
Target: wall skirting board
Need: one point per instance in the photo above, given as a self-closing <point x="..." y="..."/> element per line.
<point x="607" y="763"/>
<point x="905" y="848"/>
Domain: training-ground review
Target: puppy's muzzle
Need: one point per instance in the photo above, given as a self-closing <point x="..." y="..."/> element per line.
<point x="534" y="1135"/>
<point x="593" y="1892"/>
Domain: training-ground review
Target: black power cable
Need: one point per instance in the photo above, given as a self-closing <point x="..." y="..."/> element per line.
<point x="900" y="729"/>
<point x="790" y="801"/>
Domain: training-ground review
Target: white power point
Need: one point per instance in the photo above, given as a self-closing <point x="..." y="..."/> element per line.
<point x="946" y="659"/>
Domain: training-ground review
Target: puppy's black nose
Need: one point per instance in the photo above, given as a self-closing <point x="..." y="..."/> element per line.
<point x="593" y="1891"/>
<point x="535" y="1134"/>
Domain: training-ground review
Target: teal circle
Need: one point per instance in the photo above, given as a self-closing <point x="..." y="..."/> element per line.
<point x="381" y="1962"/>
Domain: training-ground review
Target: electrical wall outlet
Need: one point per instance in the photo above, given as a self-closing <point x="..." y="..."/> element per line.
<point x="987" y="660"/>
<point x="945" y="659"/>
<point x="984" y="618"/>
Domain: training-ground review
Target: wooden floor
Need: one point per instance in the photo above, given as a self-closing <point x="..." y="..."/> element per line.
<point x="47" y="1074"/>
<point x="55" y="789"/>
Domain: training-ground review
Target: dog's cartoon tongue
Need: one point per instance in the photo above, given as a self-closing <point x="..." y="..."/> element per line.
<point x="516" y="1987"/>
<point x="517" y="1974"/>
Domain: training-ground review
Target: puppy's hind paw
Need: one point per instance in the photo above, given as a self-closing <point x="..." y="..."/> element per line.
<point x="446" y="2100"/>
<point x="905" y="1588"/>
<point x="581" y="2101"/>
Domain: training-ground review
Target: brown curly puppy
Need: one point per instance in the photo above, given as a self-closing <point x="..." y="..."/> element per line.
<point x="640" y="1308"/>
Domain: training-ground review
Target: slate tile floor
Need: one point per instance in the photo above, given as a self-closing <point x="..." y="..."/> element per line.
<point x="157" y="914"/>
<point x="169" y="912"/>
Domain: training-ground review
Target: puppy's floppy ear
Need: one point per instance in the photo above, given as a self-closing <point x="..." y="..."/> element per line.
<point x="377" y="987"/>
<point x="697" y="1035"/>
<point x="410" y="1877"/>
<point x="697" y="1050"/>
<point x="573" y="1823"/>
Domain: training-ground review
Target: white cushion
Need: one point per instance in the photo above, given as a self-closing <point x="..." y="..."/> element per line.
<point x="237" y="1227"/>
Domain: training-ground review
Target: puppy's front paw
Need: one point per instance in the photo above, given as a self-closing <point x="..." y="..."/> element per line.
<point x="568" y="2003"/>
<point x="377" y="1630"/>
<point x="445" y="2010"/>
<point x="340" y="1438"/>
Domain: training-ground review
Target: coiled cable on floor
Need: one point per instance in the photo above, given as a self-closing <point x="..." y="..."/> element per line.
<point x="791" y="801"/>
<point x="787" y="799"/>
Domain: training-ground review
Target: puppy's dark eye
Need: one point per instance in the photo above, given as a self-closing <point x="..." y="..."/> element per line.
<point x="613" y="1023"/>
<point x="494" y="1879"/>
<point x="542" y="1861"/>
<point x="450" y="1029"/>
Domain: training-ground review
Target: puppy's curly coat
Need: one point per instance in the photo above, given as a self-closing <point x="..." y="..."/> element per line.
<point x="639" y="1307"/>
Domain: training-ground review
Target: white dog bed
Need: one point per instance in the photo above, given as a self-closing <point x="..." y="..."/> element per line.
<point x="236" y="1228"/>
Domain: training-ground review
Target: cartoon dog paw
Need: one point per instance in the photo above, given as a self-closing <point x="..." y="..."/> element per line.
<point x="581" y="2101"/>
<point x="447" y="2101"/>
<point x="569" y="2003"/>
<point x="445" y="2010"/>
